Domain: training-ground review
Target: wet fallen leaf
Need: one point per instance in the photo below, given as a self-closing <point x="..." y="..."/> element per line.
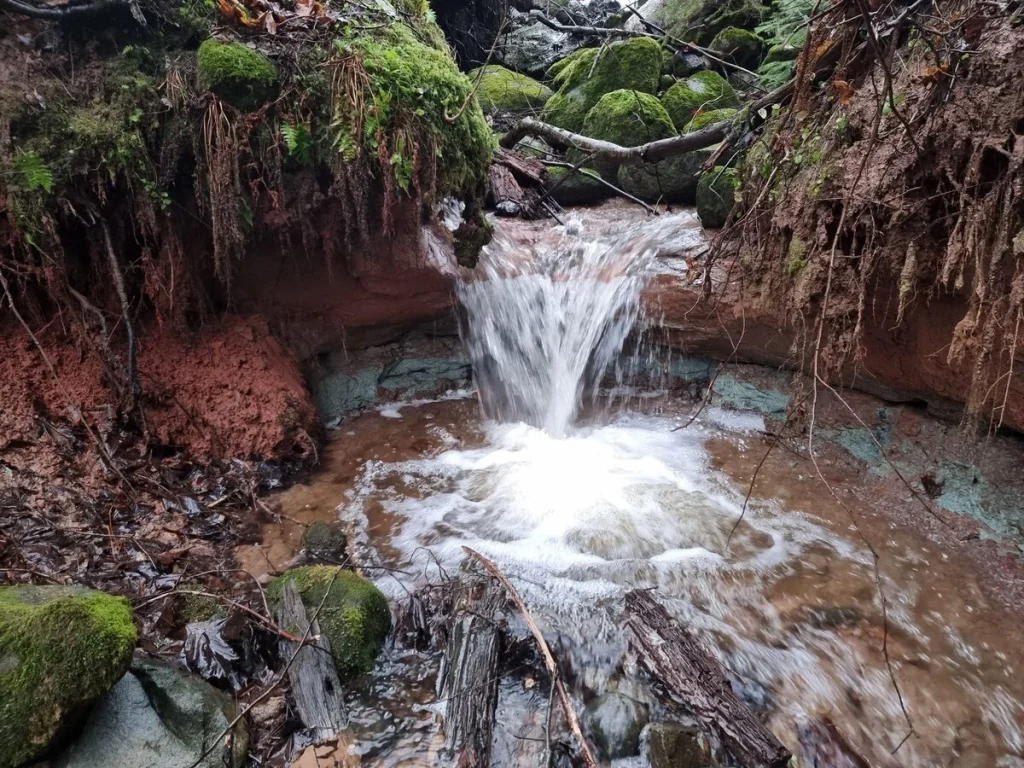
<point x="843" y="91"/>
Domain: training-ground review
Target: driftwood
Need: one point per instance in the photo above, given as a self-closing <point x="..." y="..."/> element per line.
<point x="526" y="169"/>
<point x="549" y="660"/>
<point x="469" y="676"/>
<point x="502" y="187"/>
<point x="314" y="681"/>
<point x="693" y="678"/>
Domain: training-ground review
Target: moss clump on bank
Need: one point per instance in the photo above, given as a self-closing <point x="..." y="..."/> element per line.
<point x="631" y="65"/>
<point x="502" y="90"/>
<point x="354" y="616"/>
<point x="716" y="195"/>
<point x="241" y="77"/>
<point x="60" y="648"/>
<point x="702" y="92"/>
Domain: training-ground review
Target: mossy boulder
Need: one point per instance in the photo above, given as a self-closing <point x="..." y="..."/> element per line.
<point x="593" y="72"/>
<point x="355" y="617"/>
<point x="700" y="20"/>
<point x="242" y="77"/>
<point x="670" y="181"/>
<point x="577" y="188"/>
<point x="323" y="543"/>
<point x="716" y="194"/>
<point x="704" y="119"/>
<point x="702" y="92"/>
<point x="628" y="118"/>
<point x="739" y="46"/>
<point x="60" y="649"/>
<point x="502" y="90"/>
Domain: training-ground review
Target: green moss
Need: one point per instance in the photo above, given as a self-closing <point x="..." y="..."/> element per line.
<point x="738" y="46"/>
<point x="716" y="194"/>
<point x="502" y="90"/>
<point x="700" y="20"/>
<point x="473" y="234"/>
<point x="324" y="543"/>
<point x="574" y="59"/>
<point x="60" y="648"/>
<point x="241" y="77"/>
<point x="197" y="608"/>
<point x="702" y="92"/>
<point x="627" y="118"/>
<point x="354" y="618"/>
<point x="704" y="119"/>
<point x="796" y="257"/>
<point x="196" y="17"/>
<point x="632" y="64"/>
<point x="781" y="52"/>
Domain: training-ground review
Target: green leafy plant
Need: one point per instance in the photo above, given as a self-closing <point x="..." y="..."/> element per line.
<point x="32" y="173"/>
<point x="299" y="142"/>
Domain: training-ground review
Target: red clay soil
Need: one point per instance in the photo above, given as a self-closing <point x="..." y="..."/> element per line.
<point x="231" y="390"/>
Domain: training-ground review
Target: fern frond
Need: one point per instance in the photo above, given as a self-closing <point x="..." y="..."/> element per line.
<point x="32" y="172"/>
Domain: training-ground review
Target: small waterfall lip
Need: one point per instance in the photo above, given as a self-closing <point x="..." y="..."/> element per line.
<point x="544" y="324"/>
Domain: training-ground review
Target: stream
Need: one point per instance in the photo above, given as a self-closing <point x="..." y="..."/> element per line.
<point x="581" y="484"/>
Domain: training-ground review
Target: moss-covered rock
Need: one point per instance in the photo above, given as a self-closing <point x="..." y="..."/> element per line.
<point x="704" y="119"/>
<point x="354" y="618"/>
<point x="740" y="46"/>
<point x="702" y="92"/>
<point x="324" y="543"/>
<point x="242" y="77"/>
<point x="700" y="20"/>
<point x="626" y="118"/>
<point x="630" y="65"/>
<point x="716" y="194"/>
<point x="60" y="649"/>
<point x="579" y="188"/>
<point x="502" y="90"/>
<point x="669" y="181"/>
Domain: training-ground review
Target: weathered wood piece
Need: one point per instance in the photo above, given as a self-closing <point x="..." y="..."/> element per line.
<point x="314" y="681"/>
<point x="469" y="676"/>
<point x="694" y="679"/>
<point x="503" y="187"/>
<point x="526" y="169"/>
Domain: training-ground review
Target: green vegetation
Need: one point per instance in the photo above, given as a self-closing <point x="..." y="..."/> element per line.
<point x="353" y="614"/>
<point x="716" y="194"/>
<point x="702" y="92"/>
<point x="629" y="65"/>
<point x="60" y="648"/>
<point x="502" y="90"/>
<point x="241" y="77"/>
<point x="704" y="119"/>
<point x="627" y="118"/>
<point x="796" y="258"/>
<point x="784" y="33"/>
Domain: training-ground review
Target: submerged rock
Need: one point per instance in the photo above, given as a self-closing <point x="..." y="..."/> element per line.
<point x="354" y="616"/>
<point x="702" y="92"/>
<point x="243" y="78"/>
<point x="158" y="717"/>
<point x="716" y="194"/>
<point x="614" y="722"/>
<point x="60" y="649"/>
<point x="593" y="72"/>
<point x="502" y="90"/>
<point x="324" y="543"/>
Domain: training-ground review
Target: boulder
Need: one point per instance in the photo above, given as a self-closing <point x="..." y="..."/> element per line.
<point x="324" y="543"/>
<point x="60" y="649"/>
<point x="702" y="92"/>
<point x="614" y="722"/>
<point x="502" y="90"/>
<point x="738" y="46"/>
<point x="704" y="119"/>
<point x="242" y="77"/>
<point x="629" y="65"/>
<point x="670" y="181"/>
<point x="716" y="194"/>
<point x="158" y="717"/>
<point x="700" y="20"/>
<point x="471" y="27"/>
<point x="626" y="118"/>
<point x="575" y="188"/>
<point x="670" y="745"/>
<point x="533" y="48"/>
<point x="354" y="617"/>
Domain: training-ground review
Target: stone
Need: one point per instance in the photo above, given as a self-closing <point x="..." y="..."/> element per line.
<point x="502" y="90"/>
<point x="738" y="46"/>
<point x="626" y="118"/>
<point x="158" y="717"/>
<point x="614" y="723"/>
<point x="575" y="188"/>
<point x="242" y="77"/>
<point x="700" y="20"/>
<point x="535" y="47"/>
<point x="354" y="616"/>
<point x="593" y="72"/>
<point x="702" y="92"/>
<point x="324" y="543"/>
<point x="60" y="649"/>
<point x="704" y="119"/>
<point x="670" y="745"/>
<point x="716" y="195"/>
<point x="672" y="181"/>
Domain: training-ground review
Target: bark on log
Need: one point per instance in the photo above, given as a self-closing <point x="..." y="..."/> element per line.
<point x="693" y="678"/>
<point x="314" y="681"/>
<point x="525" y="168"/>
<point x="503" y="187"/>
<point x="468" y="680"/>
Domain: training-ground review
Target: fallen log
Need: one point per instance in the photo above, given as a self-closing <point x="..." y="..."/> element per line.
<point x="503" y="191"/>
<point x="314" y="681"/>
<point x="525" y="168"/>
<point x="693" y="678"/>
<point x="469" y="675"/>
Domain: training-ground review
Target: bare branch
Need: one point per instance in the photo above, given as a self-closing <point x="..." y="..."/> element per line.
<point x="63" y="12"/>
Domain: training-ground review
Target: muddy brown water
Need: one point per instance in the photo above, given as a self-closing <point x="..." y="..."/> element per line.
<point x="793" y="605"/>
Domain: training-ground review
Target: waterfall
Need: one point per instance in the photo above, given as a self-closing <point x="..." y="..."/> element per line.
<point x="542" y="325"/>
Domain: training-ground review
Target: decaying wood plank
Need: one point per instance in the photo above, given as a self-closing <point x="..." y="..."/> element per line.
<point x="314" y="681"/>
<point x="469" y="676"/>
<point x="693" y="678"/>
<point x="525" y="168"/>
<point x="503" y="187"/>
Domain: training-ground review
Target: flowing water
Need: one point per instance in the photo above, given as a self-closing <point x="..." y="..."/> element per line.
<point x="579" y="498"/>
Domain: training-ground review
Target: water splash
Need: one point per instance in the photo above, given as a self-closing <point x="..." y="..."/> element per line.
<point x="544" y="326"/>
